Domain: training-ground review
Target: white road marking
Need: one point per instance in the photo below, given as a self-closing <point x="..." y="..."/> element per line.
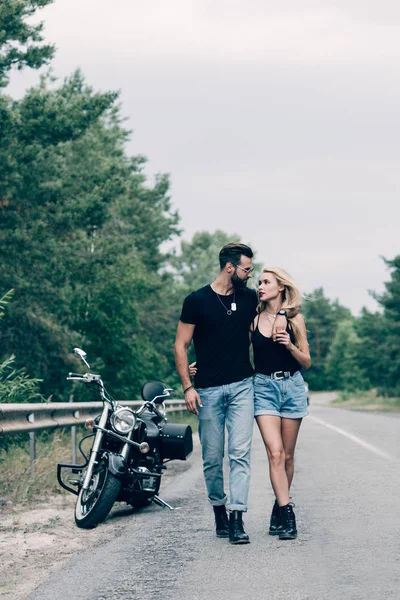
<point x="354" y="438"/>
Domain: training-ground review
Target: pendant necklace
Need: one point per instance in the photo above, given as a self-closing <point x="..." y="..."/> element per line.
<point x="270" y="316"/>
<point x="233" y="304"/>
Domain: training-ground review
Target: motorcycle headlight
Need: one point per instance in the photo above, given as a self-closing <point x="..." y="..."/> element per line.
<point x="123" y="420"/>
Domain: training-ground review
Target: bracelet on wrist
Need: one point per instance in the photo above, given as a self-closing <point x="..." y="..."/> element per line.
<point x="191" y="387"/>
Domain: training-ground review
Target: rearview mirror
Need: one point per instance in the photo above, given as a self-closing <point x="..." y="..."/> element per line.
<point x="82" y="355"/>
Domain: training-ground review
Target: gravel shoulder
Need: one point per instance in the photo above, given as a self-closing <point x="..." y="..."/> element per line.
<point x="40" y="538"/>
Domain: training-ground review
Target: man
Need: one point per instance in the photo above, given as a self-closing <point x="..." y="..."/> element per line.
<point x="217" y="317"/>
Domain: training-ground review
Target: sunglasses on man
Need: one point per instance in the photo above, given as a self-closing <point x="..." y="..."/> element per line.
<point x="247" y="271"/>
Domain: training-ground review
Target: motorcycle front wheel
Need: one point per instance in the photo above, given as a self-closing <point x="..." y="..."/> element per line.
<point x="94" y="504"/>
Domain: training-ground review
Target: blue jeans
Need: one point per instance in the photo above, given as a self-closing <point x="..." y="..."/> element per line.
<point x="231" y="405"/>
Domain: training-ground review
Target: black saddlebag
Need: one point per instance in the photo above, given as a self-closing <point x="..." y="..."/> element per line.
<point x="176" y="441"/>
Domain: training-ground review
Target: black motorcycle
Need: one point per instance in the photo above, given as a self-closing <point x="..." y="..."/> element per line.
<point x="128" y="452"/>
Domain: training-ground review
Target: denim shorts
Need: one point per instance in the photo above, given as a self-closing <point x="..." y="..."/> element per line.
<point x="280" y="397"/>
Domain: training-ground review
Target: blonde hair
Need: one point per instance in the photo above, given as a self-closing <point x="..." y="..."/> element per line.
<point x="291" y="296"/>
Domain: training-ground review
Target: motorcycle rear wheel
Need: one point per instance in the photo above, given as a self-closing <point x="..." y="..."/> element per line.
<point x="93" y="505"/>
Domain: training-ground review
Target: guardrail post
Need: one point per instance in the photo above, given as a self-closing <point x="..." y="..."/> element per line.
<point x="32" y="443"/>
<point x="73" y="442"/>
<point x="32" y="450"/>
<point x="73" y="437"/>
<point x="73" y="433"/>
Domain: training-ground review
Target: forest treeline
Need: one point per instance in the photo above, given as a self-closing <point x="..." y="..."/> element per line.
<point x="82" y="245"/>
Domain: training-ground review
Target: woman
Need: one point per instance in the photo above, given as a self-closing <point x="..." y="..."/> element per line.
<point x="279" y="392"/>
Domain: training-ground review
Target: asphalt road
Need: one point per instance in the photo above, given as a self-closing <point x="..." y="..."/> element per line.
<point x="346" y="491"/>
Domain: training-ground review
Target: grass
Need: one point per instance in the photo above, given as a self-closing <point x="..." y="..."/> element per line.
<point x="367" y="400"/>
<point x="17" y="482"/>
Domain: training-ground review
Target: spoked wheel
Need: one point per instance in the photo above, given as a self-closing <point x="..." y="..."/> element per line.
<point x="94" y="504"/>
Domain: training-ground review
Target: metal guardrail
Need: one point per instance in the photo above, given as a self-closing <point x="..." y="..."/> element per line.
<point x="19" y="418"/>
<point x="28" y="418"/>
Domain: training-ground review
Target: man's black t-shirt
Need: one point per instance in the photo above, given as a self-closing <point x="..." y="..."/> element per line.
<point x="221" y="341"/>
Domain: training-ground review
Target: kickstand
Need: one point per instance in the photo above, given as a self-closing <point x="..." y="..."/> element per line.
<point x="162" y="503"/>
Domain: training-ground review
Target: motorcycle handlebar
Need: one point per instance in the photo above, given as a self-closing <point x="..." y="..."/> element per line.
<point x="86" y="378"/>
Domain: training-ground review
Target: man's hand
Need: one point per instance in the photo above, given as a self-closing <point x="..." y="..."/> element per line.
<point x="191" y="398"/>
<point x="280" y="325"/>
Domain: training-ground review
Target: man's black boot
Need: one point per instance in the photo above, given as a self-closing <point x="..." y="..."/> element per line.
<point x="237" y="534"/>
<point x="221" y="521"/>
<point x="288" y="523"/>
<point x="275" y="527"/>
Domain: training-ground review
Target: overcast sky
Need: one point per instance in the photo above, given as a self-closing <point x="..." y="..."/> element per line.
<point x="276" y="120"/>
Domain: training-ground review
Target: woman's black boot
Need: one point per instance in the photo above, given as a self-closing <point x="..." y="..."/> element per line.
<point x="237" y="534"/>
<point x="221" y="521"/>
<point x="275" y="521"/>
<point x="288" y="523"/>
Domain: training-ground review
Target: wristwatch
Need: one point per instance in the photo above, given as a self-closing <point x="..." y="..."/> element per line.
<point x="282" y="312"/>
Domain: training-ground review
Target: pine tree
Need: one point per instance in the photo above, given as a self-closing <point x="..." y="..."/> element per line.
<point x="20" y="41"/>
<point x="322" y="320"/>
<point x="388" y="352"/>
<point x="343" y="371"/>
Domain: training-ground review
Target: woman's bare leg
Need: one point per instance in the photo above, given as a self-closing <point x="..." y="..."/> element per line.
<point x="290" y="429"/>
<point x="270" y="429"/>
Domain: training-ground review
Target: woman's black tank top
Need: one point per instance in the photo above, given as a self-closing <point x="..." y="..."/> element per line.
<point x="270" y="356"/>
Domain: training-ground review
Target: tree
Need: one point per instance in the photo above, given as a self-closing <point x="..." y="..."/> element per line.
<point x="80" y="229"/>
<point x="322" y="319"/>
<point x="80" y="236"/>
<point x="35" y="230"/>
<point x="19" y="41"/>
<point x="15" y="385"/>
<point x="197" y="263"/>
<point x="342" y="370"/>
<point x="371" y="329"/>
<point x="387" y="368"/>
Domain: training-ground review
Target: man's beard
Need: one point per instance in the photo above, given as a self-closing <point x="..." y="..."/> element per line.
<point x="237" y="283"/>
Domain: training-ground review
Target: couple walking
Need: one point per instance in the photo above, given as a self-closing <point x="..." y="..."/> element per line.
<point x="222" y="319"/>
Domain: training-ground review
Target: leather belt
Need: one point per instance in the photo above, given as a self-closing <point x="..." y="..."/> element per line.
<point x="280" y="375"/>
